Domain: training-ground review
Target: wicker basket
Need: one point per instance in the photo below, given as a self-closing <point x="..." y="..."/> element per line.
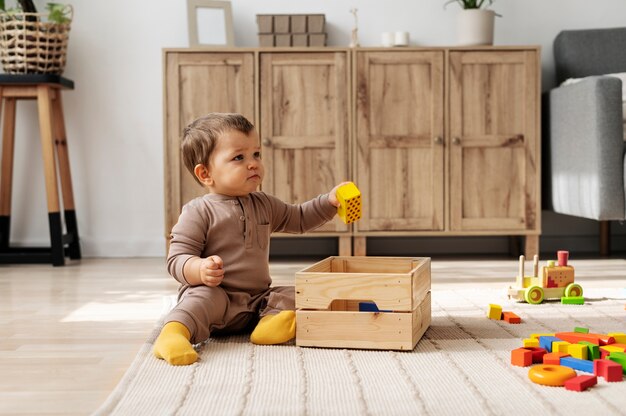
<point x="31" y="45"/>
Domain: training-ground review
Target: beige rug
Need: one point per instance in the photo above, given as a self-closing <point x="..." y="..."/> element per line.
<point x="460" y="367"/>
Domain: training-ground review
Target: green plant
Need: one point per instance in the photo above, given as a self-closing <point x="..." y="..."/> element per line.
<point x="471" y="4"/>
<point x="57" y="12"/>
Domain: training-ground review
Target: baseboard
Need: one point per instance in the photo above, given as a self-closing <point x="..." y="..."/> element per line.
<point x="376" y="246"/>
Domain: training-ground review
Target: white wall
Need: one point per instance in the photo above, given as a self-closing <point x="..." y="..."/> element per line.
<point x="114" y="116"/>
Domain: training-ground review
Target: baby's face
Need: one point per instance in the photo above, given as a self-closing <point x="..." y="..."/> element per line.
<point x="235" y="167"/>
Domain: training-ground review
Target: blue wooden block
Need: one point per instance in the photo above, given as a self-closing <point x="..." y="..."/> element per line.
<point x="545" y="342"/>
<point x="368" y="307"/>
<point x="578" y="364"/>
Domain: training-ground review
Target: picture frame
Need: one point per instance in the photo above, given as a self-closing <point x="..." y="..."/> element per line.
<point x="210" y="23"/>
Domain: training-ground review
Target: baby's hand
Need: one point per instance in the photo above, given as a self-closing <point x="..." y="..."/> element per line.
<point x="332" y="195"/>
<point x="212" y="271"/>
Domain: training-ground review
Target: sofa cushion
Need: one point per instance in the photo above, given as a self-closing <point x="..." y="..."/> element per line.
<point x="622" y="77"/>
<point x="585" y="52"/>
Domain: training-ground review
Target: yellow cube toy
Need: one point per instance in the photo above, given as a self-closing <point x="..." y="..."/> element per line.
<point x="349" y="198"/>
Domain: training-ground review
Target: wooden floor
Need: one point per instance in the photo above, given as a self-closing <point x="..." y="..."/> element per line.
<point x="68" y="334"/>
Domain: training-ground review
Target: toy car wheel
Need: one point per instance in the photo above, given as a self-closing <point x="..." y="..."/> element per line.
<point x="534" y="295"/>
<point x="573" y="290"/>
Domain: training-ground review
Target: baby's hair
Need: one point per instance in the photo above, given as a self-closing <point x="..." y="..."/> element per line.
<point x="200" y="136"/>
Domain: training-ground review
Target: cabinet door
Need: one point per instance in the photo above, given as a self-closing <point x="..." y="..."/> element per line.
<point x="304" y="125"/>
<point x="196" y="84"/>
<point x="494" y="130"/>
<point x="399" y="131"/>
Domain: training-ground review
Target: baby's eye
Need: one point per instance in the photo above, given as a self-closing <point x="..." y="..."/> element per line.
<point x="257" y="155"/>
<point x="238" y="157"/>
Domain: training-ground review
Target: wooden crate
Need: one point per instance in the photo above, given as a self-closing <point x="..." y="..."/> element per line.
<point x="329" y="292"/>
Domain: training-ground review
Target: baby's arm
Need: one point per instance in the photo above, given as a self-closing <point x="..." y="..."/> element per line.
<point x="204" y="271"/>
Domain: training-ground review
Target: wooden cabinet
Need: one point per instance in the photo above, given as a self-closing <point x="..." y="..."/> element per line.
<point x="494" y="151"/>
<point x="447" y="142"/>
<point x="196" y="84"/>
<point x="441" y="141"/>
<point x="304" y="125"/>
<point x="299" y="103"/>
<point x="399" y="163"/>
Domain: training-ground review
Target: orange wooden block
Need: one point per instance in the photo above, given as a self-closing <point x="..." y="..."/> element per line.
<point x="511" y="318"/>
<point x="521" y="357"/>
<point x="574" y="337"/>
<point x="554" y="357"/>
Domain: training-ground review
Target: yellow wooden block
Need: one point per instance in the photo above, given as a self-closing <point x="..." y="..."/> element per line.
<point x="620" y="337"/>
<point x="494" y="312"/>
<point x="612" y="348"/>
<point x="541" y="335"/>
<point x="560" y="346"/>
<point x="531" y="342"/>
<point x="578" y="351"/>
<point x="349" y="198"/>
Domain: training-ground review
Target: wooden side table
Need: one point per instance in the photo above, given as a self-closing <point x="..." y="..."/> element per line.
<point x="46" y="89"/>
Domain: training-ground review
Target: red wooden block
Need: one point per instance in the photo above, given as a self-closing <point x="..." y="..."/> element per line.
<point x="523" y="357"/>
<point x="537" y="353"/>
<point x="604" y="353"/>
<point x="581" y="383"/>
<point x="511" y="318"/>
<point x="610" y="370"/>
<point x="554" y="357"/>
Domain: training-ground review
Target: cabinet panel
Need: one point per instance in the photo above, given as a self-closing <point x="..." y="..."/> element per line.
<point x="304" y="125"/>
<point x="494" y="146"/>
<point x="399" y="139"/>
<point x="196" y="84"/>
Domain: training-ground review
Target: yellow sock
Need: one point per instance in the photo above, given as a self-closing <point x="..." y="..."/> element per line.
<point x="173" y="345"/>
<point x="275" y="329"/>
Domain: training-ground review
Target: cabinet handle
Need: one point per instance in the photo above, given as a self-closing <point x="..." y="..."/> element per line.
<point x="456" y="140"/>
<point x="438" y="140"/>
<point x="267" y="142"/>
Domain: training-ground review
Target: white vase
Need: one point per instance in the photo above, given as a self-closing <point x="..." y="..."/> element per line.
<point x="475" y="27"/>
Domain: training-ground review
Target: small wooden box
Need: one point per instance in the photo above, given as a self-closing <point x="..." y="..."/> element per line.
<point x="298" y="23"/>
<point x="265" y="23"/>
<point x="317" y="39"/>
<point x="282" y="39"/>
<point x="281" y="23"/>
<point x="328" y="295"/>
<point x="266" y="40"/>
<point x="316" y="23"/>
<point x="299" y="39"/>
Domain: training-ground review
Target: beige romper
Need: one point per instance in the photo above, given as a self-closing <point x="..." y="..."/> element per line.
<point x="238" y="230"/>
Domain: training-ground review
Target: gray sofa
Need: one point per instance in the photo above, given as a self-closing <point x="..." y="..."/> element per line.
<point x="583" y="132"/>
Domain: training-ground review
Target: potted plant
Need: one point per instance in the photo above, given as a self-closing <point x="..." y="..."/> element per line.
<point x="32" y="42"/>
<point x="475" y="22"/>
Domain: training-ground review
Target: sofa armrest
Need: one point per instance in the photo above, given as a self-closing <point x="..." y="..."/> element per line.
<point x="583" y="127"/>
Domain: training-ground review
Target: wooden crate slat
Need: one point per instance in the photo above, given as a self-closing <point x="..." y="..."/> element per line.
<point x="318" y="290"/>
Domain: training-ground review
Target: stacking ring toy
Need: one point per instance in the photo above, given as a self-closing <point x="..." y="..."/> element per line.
<point x="550" y="375"/>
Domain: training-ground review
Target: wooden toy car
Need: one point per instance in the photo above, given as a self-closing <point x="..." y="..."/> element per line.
<point x="555" y="281"/>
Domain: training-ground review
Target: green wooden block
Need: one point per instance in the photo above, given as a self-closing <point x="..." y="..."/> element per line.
<point x="593" y="352"/>
<point x="620" y="358"/>
<point x="573" y="300"/>
<point x="581" y="330"/>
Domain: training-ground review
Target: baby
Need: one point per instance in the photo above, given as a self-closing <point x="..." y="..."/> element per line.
<point x="219" y="248"/>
